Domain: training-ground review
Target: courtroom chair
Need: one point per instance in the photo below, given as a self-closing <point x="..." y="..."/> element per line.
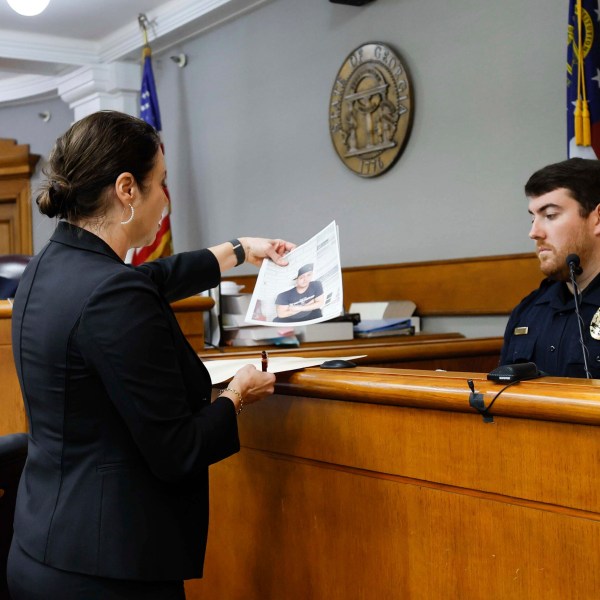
<point x="11" y="269"/>
<point x="13" y="453"/>
<point x="8" y="287"/>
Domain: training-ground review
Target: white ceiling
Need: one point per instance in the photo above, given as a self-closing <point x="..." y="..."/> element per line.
<point x="69" y="34"/>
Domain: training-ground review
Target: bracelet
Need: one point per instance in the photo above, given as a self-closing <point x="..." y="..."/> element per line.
<point x="239" y="410"/>
<point x="238" y="250"/>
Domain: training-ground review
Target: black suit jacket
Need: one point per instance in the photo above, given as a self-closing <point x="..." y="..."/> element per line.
<point x="122" y="429"/>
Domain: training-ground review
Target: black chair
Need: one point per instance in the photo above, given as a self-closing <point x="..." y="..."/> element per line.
<point x="11" y="269"/>
<point x="13" y="265"/>
<point x="13" y="453"/>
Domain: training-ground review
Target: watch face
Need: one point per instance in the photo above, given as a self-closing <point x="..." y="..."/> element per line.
<point x="370" y="110"/>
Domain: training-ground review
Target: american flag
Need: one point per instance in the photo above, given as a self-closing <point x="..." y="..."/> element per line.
<point x="149" y="112"/>
<point x="583" y="79"/>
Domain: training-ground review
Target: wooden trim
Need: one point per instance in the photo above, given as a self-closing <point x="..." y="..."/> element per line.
<point x="194" y="303"/>
<point x="17" y="166"/>
<point x="559" y="399"/>
<point x="447" y="351"/>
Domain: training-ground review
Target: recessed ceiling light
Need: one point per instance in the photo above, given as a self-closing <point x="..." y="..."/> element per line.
<point x="28" y="8"/>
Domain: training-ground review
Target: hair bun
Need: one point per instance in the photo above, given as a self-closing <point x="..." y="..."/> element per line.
<point x="54" y="190"/>
<point x="54" y="199"/>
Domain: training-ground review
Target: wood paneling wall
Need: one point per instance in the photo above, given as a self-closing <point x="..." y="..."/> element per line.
<point x="489" y="285"/>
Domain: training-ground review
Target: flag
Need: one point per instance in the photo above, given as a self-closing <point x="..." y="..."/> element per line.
<point x="149" y="112"/>
<point x="583" y="79"/>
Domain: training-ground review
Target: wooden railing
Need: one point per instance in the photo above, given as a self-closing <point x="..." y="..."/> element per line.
<point x="447" y="351"/>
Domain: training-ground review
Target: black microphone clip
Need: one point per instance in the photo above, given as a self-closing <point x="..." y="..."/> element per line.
<point x="573" y="262"/>
<point x="575" y="269"/>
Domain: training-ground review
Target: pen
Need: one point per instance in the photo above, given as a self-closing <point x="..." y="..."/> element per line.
<point x="264" y="361"/>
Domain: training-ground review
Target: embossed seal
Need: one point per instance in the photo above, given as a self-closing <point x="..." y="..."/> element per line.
<point x="370" y="111"/>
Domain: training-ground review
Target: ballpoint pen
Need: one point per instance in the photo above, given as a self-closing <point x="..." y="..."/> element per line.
<point x="264" y="361"/>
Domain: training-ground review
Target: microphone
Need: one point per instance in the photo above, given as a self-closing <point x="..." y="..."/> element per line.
<point x="573" y="262"/>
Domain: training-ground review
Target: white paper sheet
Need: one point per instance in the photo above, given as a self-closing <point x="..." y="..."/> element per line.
<point x="322" y="251"/>
<point x="224" y="369"/>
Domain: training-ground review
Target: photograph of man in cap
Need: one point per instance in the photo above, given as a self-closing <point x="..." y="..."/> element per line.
<point x="304" y="301"/>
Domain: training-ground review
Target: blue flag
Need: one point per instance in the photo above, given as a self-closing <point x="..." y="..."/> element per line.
<point x="583" y="80"/>
<point x="149" y="110"/>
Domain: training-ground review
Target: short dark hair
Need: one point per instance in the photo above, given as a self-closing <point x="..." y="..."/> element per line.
<point x="89" y="157"/>
<point x="580" y="176"/>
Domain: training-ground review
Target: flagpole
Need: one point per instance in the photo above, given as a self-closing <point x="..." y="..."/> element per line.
<point x="150" y="112"/>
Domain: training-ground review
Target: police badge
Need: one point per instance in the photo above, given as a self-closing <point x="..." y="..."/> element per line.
<point x="595" y="326"/>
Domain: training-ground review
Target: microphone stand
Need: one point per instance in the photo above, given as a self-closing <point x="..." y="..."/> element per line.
<point x="574" y="268"/>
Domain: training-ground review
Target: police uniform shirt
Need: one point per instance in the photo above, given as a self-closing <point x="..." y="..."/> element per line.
<point x="543" y="329"/>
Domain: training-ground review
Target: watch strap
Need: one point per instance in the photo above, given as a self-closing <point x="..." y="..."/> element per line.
<point x="238" y="250"/>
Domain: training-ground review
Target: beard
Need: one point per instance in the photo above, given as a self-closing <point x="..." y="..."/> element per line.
<point x="553" y="264"/>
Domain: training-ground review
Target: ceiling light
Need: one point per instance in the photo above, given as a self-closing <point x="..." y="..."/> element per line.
<point x="28" y="8"/>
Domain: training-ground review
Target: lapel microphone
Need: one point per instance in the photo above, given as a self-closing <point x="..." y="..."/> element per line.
<point x="573" y="262"/>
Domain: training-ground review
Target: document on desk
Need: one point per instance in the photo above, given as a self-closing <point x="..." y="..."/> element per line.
<point x="224" y="369"/>
<point x="308" y="290"/>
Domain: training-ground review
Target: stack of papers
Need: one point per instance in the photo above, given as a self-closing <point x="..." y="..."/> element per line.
<point x="382" y="327"/>
<point x="377" y="319"/>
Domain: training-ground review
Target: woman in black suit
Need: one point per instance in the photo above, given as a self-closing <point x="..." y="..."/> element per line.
<point x="113" y="501"/>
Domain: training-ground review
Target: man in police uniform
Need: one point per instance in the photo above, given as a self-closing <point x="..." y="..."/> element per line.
<point x="564" y="203"/>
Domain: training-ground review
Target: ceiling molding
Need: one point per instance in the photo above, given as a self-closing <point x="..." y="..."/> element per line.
<point x="172" y="23"/>
<point x="23" y="89"/>
<point x="47" y="48"/>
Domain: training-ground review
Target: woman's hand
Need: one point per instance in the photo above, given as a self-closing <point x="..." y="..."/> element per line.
<point x="251" y="384"/>
<point x="255" y="251"/>
<point x="258" y="249"/>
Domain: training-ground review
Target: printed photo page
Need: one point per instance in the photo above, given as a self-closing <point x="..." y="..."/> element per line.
<point x="308" y="290"/>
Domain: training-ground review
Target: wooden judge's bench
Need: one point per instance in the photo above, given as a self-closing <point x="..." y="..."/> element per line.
<point x="374" y="483"/>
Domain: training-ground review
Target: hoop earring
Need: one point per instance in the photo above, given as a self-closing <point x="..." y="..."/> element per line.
<point x="130" y="217"/>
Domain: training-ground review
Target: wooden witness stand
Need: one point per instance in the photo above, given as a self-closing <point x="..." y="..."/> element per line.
<point x="384" y="483"/>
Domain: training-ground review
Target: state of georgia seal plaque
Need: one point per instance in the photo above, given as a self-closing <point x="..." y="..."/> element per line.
<point x="370" y="111"/>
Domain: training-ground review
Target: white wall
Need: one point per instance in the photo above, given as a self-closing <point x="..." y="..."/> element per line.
<point x="248" y="146"/>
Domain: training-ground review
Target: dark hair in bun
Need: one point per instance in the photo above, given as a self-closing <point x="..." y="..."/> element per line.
<point x="89" y="157"/>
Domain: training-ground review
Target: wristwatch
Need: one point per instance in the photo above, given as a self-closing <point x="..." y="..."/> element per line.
<point x="239" y="251"/>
